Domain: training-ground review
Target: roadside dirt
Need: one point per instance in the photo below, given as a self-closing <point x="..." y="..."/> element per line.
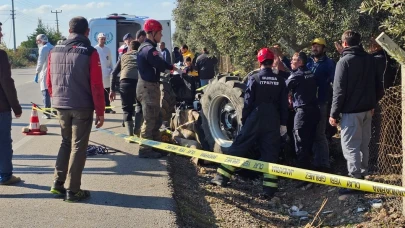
<point x="239" y="205"/>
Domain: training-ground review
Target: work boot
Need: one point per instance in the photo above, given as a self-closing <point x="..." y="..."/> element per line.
<point x="303" y="185"/>
<point x="13" y="180"/>
<point x="220" y="180"/>
<point x="76" y="196"/>
<point x="268" y="193"/>
<point x="149" y="154"/>
<point x="58" y="188"/>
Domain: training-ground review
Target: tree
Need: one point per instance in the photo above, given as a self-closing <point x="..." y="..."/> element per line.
<point x="52" y="34"/>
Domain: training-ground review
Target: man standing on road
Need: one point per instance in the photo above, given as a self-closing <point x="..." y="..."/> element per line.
<point x="44" y="49"/>
<point x="8" y="102"/>
<point x="356" y="91"/>
<point x="302" y="85"/>
<point x="141" y="36"/>
<point x="75" y="84"/>
<point x="165" y="53"/>
<point x="205" y="65"/>
<point x="150" y="65"/>
<point x="106" y="66"/>
<point x="264" y="119"/>
<point x="324" y="70"/>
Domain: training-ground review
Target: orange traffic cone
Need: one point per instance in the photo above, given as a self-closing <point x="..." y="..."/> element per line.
<point x="35" y="127"/>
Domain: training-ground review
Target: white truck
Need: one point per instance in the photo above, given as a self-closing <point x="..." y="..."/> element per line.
<point x="115" y="26"/>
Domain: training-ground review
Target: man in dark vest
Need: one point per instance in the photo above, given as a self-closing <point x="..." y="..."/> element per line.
<point x="75" y="84"/>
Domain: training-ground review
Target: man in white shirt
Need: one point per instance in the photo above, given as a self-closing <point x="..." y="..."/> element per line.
<point x="106" y="66"/>
<point x="44" y="48"/>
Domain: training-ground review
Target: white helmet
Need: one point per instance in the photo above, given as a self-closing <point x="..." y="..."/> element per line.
<point x="101" y="35"/>
<point x="43" y="38"/>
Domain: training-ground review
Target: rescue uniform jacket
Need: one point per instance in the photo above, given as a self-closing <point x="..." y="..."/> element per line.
<point x="42" y="64"/>
<point x="74" y="76"/>
<point x="127" y="66"/>
<point x="265" y="87"/>
<point x="356" y="87"/>
<point x="324" y="71"/>
<point x="8" y="93"/>
<point x="150" y="62"/>
<point x="302" y="84"/>
<point x="206" y="66"/>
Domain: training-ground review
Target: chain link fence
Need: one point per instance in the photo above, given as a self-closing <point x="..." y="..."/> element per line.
<point x="386" y="143"/>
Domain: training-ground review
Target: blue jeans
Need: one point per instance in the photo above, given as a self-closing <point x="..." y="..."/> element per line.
<point x="204" y="82"/>
<point x="6" y="151"/>
<point x="46" y="99"/>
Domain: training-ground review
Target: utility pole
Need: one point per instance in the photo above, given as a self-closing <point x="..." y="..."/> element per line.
<point x="13" y="17"/>
<point x="57" y="20"/>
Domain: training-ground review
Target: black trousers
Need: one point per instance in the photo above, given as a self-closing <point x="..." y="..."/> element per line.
<point x="305" y="122"/>
<point x="130" y="106"/>
<point x="107" y="98"/>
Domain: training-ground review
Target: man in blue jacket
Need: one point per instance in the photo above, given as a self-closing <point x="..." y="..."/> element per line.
<point x="302" y="85"/>
<point x="324" y="69"/>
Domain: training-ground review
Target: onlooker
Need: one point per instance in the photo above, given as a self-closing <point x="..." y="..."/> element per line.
<point x="186" y="52"/>
<point x="140" y="36"/>
<point x="165" y="53"/>
<point x="177" y="56"/>
<point x="44" y="49"/>
<point x="205" y="65"/>
<point x="106" y="67"/>
<point x="124" y="48"/>
<point x="324" y="69"/>
<point x="128" y="67"/>
<point x="75" y="84"/>
<point x="356" y="91"/>
<point x="8" y="102"/>
<point x="386" y="66"/>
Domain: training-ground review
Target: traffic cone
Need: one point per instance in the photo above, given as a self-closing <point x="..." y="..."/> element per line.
<point x="35" y="127"/>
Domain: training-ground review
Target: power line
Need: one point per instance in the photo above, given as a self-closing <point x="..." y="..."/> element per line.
<point x="57" y="20"/>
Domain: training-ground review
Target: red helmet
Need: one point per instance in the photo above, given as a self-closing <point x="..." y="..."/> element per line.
<point x="152" y="25"/>
<point x="265" y="54"/>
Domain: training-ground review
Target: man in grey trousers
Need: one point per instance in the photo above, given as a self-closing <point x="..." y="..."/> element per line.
<point x="356" y="91"/>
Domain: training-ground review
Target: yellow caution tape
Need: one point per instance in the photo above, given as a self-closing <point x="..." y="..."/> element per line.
<point x="269" y="168"/>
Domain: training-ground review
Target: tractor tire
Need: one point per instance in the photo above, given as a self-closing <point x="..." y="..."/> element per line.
<point x="221" y="113"/>
<point x="167" y="100"/>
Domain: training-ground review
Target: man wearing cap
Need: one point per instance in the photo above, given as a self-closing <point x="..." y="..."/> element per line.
<point x="42" y="65"/>
<point x="106" y="67"/>
<point x="302" y="85"/>
<point x="140" y="36"/>
<point x="264" y="119"/>
<point x="124" y="48"/>
<point x="324" y="70"/>
<point x="150" y="65"/>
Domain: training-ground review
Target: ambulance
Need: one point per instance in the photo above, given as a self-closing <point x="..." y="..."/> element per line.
<point x="115" y="26"/>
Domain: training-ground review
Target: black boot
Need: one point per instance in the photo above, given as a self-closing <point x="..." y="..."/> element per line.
<point x="220" y="180"/>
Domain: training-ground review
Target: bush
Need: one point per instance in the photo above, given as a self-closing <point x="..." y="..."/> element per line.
<point x="20" y="58"/>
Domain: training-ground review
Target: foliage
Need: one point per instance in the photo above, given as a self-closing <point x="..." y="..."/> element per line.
<point x="52" y="34"/>
<point x="20" y="58"/>
<point x="240" y="28"/>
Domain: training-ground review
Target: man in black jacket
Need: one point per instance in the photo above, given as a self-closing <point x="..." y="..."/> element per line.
<point x="356" y="91"/>
<point x="206" y="67"/>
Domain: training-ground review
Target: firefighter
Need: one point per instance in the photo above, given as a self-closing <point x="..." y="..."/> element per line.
<point x="264" y="119"/>
<point x="150" y="65"/>
<point x="302" y="84"/>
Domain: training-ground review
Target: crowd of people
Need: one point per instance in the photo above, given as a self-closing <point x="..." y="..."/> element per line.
<point x="78" y="79"/>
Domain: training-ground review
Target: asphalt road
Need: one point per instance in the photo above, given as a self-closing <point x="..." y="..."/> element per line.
<point x="126" y="191"/>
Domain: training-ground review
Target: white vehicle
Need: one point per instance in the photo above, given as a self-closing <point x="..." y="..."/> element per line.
<point x="115" y="26"/>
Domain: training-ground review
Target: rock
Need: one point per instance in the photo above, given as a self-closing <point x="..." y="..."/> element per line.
<point x="394" y="216"/>
<point x="342" y="220"/>
<point x="343" y="197"/>
<point x="347" y="212"/>
<point x="286" y="206"/>
<point x="376" y="205"/>
<point x="360" y="209"/>
<point x="276" y="200"/>
<point x="331" y="189"/>
<point x="300" y="206"/>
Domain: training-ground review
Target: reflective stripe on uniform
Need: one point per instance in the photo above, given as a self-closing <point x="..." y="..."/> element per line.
<point x="226" y="170"/>
<point x="223" y="173"/>
<point x="229" y="168"/>
<point x="269" y="176"/>
<point x="270" y="184"/>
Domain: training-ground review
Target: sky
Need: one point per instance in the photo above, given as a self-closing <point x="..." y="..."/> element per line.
<point x="28" y="12"/>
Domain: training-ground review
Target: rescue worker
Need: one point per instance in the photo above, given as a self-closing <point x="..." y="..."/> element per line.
<point x="128" y="67"/>
<point x="264" y="119"/>
<point x="302" y="85"/>
<point x="42" y="65"/>
<point x="323" y="69"/>
<point x="124" y="48"/>
<point x="140" y="36"/>
<point x="106" y="66"/>
<point x="150" y="65"/>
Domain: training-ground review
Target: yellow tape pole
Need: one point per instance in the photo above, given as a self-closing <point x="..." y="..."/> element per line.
<point x="270" y="168"/>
